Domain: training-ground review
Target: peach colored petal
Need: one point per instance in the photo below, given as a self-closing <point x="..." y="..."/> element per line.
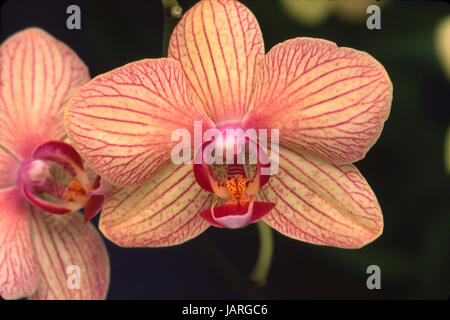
<point x="37" y="75"/>
<point x="9" y="167"/>
<point x="64" y="241"/>
<point x="329" y="101"/>
<point x="219" y="45"/>
<point x="19" y="268"/>
<point x="162" y="212"/>
<point x="321" y="203"/>
<point x="121" y="122"/>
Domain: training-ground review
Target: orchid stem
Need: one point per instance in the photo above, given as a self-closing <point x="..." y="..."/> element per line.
<point x="172" y="12"/>
<point x="249" y="287"/>
<point x="244" y="285"/>
<point x="262" y="266"/>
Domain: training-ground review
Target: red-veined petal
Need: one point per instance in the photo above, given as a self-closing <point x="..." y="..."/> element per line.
<point x="219" y="45"/>
<point x="9" y="167"/>
<point x="322" y="203"/>
<point x="329" y="101"/>
<point x="162" y="212"/>
<point x="121" y="122"/>
<point x="37" y="76"/>
<point x="65" y="241"/>
<point x="19" y="268"/>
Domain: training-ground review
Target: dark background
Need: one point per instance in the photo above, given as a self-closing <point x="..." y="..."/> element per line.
<point x="405" y="167"/>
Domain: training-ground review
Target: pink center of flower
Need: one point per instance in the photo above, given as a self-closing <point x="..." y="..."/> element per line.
<point x="232" y="182"/>
<point x="55" y="181"/>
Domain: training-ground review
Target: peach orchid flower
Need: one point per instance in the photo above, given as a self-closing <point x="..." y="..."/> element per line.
<point x="42" y="179"/>
<point x="328" y="103"/>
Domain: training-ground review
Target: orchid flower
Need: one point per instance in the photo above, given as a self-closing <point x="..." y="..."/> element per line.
<point x="328" y="103"/>
<point x="442" y="41"/>
<point x="42" y="179"/>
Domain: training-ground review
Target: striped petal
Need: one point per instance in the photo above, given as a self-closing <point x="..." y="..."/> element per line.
<point x="9" y="167"/>
<point x="162" y="212"/>
<point x="66" y="248"/>
<point x="121" y="122"/>
<point x="329" y="101"/>
<point x="19" y="268"/>
<point x="321" y="203"/>
<point x="37" y="75"/>
<point x="219" y="45"/>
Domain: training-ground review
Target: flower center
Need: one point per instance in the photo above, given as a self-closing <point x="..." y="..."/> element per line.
<point x="74" y="190"/>
<point x="235" y="184"/>
<point x="34" y="173"/>
<point x="236" y="187"/>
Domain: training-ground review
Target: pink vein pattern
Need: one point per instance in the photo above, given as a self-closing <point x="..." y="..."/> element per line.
<point x="37" y="75"/>
<point x="163" y="211"/>
<point x="122" y="121"/>
<point x="9" y="167"/>
<point x="219" y="45"/>
<point x="322" y="203"/>
<point x="62" y="241"/>
<point x="19" y="268"/>
<point x="329" y="101"/>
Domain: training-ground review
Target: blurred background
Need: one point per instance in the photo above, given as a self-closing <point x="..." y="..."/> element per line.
<point x="405" y="168"/>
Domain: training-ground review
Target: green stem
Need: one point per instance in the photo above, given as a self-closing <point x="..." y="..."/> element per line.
<point x="251" y="287"/>
<point x="171" y="13"/>
<point x="243" y="284"/>
<point x="262" y="266"/>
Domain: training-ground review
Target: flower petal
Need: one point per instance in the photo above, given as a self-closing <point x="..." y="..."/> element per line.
<point x="121" y="122"/>
<point x="19" y="268"/>
<point x="37" y="75"/>
<point x="329" y="101"/>
<point x="65" y="241"/>
<point x="219" y="45"/>
<point x="9" y="167"/>
<point x="162" y="212"/>
<point x="321" y="203"/>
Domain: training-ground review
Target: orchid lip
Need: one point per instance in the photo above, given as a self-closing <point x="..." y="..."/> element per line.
<point x="235" y="216"/>
<point x="235" y="221"/>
